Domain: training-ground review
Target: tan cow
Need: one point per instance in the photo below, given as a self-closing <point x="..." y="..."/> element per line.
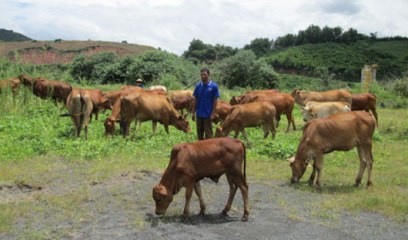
<point x="314" y="109"/>
<point x="283" y="102"/>
<point x="182" y="100"/>
<point x="79" y="105"/>
<point x="366" y="102"/>
<point x="99" y="101"/>
<point x="10" y="83"/>
<point x="221" y="111"/>
<point x="145" y="107"/>
<point x="302" y="97"/>
<point x="249" y="115"/>
<point x="338" y="132"/>
<point x="43" y="88"/>
<point x="114" y="97"/>
<point x="191" y="162"/>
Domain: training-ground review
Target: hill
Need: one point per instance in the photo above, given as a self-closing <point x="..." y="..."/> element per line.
<point x="11" y="36"/>
<point x="343" y="61"/>
<point x="61" y="52"/>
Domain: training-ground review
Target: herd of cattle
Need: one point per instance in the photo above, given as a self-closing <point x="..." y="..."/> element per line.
<point x="335" y="120"/>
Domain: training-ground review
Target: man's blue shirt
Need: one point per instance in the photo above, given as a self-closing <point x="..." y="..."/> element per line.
<point x="205" y="96"/>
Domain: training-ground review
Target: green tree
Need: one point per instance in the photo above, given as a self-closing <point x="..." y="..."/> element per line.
<point x="260" y="46"/>
<point x="244" y="70"/>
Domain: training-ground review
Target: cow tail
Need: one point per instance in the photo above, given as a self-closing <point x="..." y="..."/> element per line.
<point x="243" y="146"/>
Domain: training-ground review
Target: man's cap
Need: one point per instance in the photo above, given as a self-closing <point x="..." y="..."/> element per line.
<point x="139" y="80"/>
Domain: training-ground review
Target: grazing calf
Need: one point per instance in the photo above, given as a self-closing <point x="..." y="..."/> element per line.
<point x="191" y="162"/>
<point x="338" y="132"/>
<point x="249" y="115"/>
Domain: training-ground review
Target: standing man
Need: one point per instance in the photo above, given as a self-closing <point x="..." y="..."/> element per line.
<point x="205" y="101"/>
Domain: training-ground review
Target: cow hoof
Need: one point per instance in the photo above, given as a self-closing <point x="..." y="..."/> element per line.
<point x="224" y="213"/>
<point x="244" y="218"/>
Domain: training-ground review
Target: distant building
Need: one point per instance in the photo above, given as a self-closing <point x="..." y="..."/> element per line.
<point x="368" y="75"/>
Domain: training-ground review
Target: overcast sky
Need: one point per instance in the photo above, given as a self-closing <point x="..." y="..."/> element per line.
<point x="172" y="24"/>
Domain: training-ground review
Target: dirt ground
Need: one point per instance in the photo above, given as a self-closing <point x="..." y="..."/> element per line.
<point x="123" y="208"/>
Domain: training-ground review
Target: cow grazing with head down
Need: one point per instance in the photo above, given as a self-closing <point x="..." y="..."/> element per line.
<point x="43" y="88"/>
<point x="150" y="107"/>
<point x="191" y="162"/>
<point x="249" y="115"/>
<point x="302" y="97"/>
<point x="314" y="109"/>
<point x="338" y="132"/>
<point x="365" y="102"/>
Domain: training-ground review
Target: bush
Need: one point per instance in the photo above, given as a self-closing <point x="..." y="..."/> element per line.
<point x="244" y="70"/>
<point x="400" y="87"/>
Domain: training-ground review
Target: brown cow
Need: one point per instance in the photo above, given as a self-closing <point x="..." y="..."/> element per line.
<point x="146" y="106"/>
<point x="302" y="97"/>
<point x="315" y="109"/>
<point x="115" y="100"/>
<point x="283" y="102"/>
<point x="365" y="102"/>
<point x="43" y="88"/>
<point x="249" y="96"/>
<point x="99" y="101"/>
<point x="338" y="132"/>
<point x="249" y="115"/>
<point x="182" y="100"/>
<point x="191" y="162"/>
<point x="221" y="111"/>
<point x="11" y="83"/>
<point x="79" y="105"/>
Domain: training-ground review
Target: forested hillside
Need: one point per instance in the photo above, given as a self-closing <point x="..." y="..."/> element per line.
<point x="11" y="36"/>
<point x="343" y="61"/>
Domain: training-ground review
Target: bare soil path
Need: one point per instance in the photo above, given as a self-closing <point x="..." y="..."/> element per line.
<point x="122" y="208"/>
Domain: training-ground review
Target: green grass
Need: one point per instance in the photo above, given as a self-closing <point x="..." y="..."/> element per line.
<point x="38" y="148"/>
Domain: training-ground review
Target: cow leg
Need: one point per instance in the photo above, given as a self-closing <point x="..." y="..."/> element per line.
<point x="375" y="115"/>
<point x="126" y="125"/>
<point x="244" y="133"/>
<point x="318" y="164"/>
<point x="291" y="120"/>
<point x="234" y="183"/>
<point x="197" y="189"/>
<point x="189" y="192"/>
<point x="272" y="128"/>
<point x="166" y="127"/>
<point x="86" y="132"/>
<point x="232" y="190"/>
<point x="363" y="165"/>
<point x="312" y="178"/>
<point x="369" y="163"/>
<point x="265" y="129"/>
<point x="154" y="127"/>
<point x="365" y="155"/>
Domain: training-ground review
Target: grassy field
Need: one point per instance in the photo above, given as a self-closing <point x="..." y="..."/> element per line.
<point x="38" y="147"/>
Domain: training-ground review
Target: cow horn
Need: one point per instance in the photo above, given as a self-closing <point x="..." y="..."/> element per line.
<point x="291" y="159"/>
